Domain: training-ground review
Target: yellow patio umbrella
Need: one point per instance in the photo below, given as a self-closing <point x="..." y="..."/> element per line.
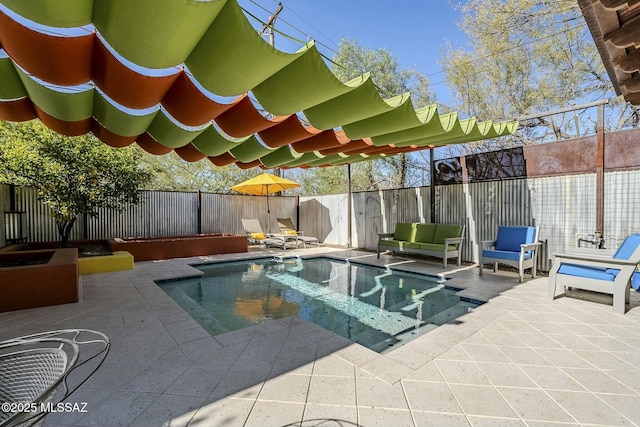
<point x="263" y="185"/>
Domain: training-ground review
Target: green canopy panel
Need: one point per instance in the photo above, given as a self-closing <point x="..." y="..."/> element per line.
<point x="197" y="78"/>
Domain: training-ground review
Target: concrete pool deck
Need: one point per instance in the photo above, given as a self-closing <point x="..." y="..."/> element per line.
<point x="518" y="360"/>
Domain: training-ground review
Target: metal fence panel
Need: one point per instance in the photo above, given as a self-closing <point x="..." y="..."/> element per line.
<point x="621" y="206"/>
<point x="324" y="217"/>
<point x="5" y="205"/>
<point x="563" y="206"/>
<point x="222" y="213"/>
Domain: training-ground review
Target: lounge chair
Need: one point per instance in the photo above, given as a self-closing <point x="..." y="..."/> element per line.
<point x="287" y="228"/>
<point x="516" y="246"/>
<point x="609" y="275"/>
<point x="257" y="236"/>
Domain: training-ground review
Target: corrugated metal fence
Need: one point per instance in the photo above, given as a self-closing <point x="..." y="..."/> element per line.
<point x="561" y="206"/>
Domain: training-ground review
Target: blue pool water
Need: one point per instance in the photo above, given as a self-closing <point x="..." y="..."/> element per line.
<point x="376" y="307"/>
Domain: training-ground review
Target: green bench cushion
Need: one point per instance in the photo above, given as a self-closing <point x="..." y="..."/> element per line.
<point x="429" y="247"/>
<point x="424" y="233"/>
<point x="404" y="231"/>
<point x="394" y="243"/>
<point x="444" y="231"/>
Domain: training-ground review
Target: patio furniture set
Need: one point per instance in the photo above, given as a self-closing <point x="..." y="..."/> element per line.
<point x="517" y="246"/>
<point x="287" y="237"/>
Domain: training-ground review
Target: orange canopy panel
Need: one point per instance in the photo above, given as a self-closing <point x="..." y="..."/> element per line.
<point x="205" y="84"/>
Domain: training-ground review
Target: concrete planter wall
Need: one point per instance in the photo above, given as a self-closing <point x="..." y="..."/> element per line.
<point x="153" y="248"/>
<point x="39" y="285"/>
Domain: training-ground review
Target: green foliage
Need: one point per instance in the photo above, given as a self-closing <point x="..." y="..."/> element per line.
<point x="525" y="57"/>
<point x="72" y="175"/>
<point x="172" y="173"/>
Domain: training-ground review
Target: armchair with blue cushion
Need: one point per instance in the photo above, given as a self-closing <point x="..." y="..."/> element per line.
<point x="516" y="246"/>
<point x="610" y="275"/>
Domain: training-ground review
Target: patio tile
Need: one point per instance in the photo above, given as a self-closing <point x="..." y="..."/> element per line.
<point x="329" y="416"/>
<point x="91" y="396"/>
<point x="275" y="414"/>
<point x="384" y="418"/>
<point x="440" y="420"/>
<point x="598" y="381"/>
<point x="625" y="404"/>
<point x="225" y="412"/>
<point x="114" y="376"/>
<point x="244" y="384"/>
<point x="428" y="372"/>
<point x="195" y="381"/>
<point x="588" y="409"/>
<point x="481" y="400"/>
<point x="118" y="410"/>
<point x="504" y="374"/>
<point x="534" y="404"/>
<point x="458" y="372"/>
<point x="524" y="356"/>
<point x="155" y="378"/>
<point x="495" y="422"/>
<point x="335" y="366"/>
<point x="371" y="392"/>
<point x="455" y="353"/>
<point x="563" y="358"/>
<point x="630" y="378"/>
<point x="503" y="338"/>
<point x="332" y="391"/>
<point x="484" y="353"/>
<point x="551" y="377"/>
<point x="433" y="397"/>
<point x="611" y="344"/>
<point x="173" y="410"/>
<point x="286" y="388"/>
<point x="388" y="370"/>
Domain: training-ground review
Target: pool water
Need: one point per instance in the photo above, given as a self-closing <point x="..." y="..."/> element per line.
<point x="379" y="308"/>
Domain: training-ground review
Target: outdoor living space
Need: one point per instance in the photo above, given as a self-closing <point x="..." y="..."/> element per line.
<point x="518" y="359"/>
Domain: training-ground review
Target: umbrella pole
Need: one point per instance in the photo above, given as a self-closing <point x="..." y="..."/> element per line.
<point x="268" y="212"/>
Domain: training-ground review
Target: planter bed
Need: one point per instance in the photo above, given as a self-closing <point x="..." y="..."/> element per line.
<point x="154" y="248"/>
<point x="38" y="285"/>
<point x="95" y="256"/>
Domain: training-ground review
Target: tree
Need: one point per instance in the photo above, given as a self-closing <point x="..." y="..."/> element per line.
<point x="72" y="175"/>
<point x="527" y="56"/>
<point x="175" y="174"/>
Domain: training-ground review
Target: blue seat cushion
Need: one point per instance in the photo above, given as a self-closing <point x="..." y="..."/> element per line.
<point x="608" y="274"/>
<point x="510" y="238"/>
<point x="635" y="281"/>
<point x="627" y="247"/>
<point x="510" y="255"/>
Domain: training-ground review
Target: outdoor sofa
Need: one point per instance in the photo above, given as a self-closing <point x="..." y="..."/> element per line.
<point x="437" y="240"/>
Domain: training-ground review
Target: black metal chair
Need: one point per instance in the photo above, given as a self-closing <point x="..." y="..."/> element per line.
<point x="35" y="370"/>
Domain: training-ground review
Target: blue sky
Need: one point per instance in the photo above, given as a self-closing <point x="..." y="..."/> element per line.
<point x="413" y="30"/>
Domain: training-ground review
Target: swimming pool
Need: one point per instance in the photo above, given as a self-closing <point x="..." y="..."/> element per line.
<point x="379" y="308"/>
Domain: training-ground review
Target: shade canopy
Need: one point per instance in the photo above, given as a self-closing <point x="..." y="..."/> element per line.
<point x="264" y="184"/>
<point x="196" y="78"/>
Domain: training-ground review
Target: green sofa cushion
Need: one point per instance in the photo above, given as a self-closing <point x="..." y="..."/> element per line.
<point x="434" y="247"/>
<point x="404" y="231"/>
<point x="444" y="231"/>
<point x="425" y="232"/>
<point x="394" y="243"/>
